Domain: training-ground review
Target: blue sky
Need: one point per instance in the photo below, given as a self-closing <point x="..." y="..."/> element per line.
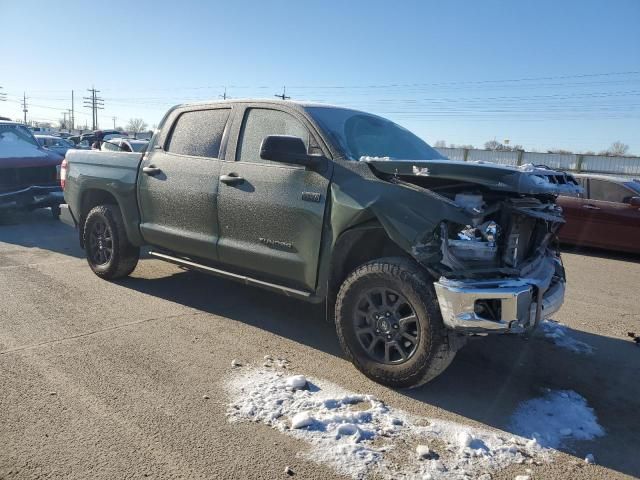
<point x="543" y="74"/>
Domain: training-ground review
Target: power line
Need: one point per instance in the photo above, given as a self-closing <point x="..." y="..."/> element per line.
<point x="95" y="103"/>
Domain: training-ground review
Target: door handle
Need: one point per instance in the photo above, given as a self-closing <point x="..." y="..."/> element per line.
<point x="151" y="170"/>
<point x="590" y="207"/>
<point x="231" y="179"/>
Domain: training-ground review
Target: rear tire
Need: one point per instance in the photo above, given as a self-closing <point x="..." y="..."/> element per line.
<point x="109" y="252"/>
<point x="389" y="324"/>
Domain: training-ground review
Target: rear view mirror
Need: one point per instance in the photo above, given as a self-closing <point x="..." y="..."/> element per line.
<point x="288" y="149"/>
<point x="634" y="201"/>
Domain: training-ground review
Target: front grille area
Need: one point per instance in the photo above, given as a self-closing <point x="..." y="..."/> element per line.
<point x="16" y="178"/>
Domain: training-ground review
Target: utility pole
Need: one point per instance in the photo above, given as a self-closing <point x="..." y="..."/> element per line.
<point x="283" y="96"/>
<point x="24" y="106"/>
<point x="224" y="95"/>
<point x="64" y="120"/>
<point x="73" y="113"/>
<point x="3" y="96"/>
<point x="114" y="122"/>
<point x="95" y="103"/>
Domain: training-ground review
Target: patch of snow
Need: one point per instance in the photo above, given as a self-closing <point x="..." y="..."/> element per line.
<point x="421" y="171"/>
<point x="590" y="459"/>
<point x="366" y="158"/>
<point x="559" y="335"/>
<point x="296" y="382"/>
<point x="301" y="420"/>
<point x="423" y="451"/>
<point x="522" y="477"/>
<point x="358" y="434"/>
<point x="556" y="417"/>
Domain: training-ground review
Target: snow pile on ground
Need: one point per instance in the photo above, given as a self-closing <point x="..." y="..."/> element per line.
<point x="356" y="434"/>
<point x="367" y="158"/>
<point x="559" y="335"/>
<point x="555" y="418"/>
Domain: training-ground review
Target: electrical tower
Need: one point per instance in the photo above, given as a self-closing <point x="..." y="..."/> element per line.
<point x="283" y="96"/>
<point x="95" y="103"/>
<point x="24" y="107"/>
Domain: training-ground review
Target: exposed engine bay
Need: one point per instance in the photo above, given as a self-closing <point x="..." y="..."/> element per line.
<point x="504" y="232"/>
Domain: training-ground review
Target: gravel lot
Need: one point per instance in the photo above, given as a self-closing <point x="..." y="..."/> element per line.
<point x="108" y="380"/>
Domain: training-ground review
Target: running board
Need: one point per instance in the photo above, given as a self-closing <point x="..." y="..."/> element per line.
<point x="290" y="292"/>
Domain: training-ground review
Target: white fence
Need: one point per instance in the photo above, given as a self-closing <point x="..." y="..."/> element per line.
<point x="626" y="166"/>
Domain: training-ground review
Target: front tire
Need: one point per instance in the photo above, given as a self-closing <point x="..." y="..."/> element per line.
<point x="109" y="252"/>
<point x="389" y="324"/>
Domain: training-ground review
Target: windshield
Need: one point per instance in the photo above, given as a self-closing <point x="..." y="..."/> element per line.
<point x="360" y="135"/>
<point x="634" y="185"/>
<point x="13" y="132"/>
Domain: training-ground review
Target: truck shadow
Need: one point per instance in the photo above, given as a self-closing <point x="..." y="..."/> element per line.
<point x="488" y="379"/>
<point x="38" y="229"/>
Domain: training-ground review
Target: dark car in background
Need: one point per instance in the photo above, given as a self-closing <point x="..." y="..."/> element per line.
<point x="29" y="173"/>
<point x="606" y="215"/>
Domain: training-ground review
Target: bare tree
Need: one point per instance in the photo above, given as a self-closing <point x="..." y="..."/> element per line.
<point x="64" y="123"/>
<point x="560" y="150"/>
<point x="618" y="148"/>
<point x="136" y="125"/>
<point x="440" y="144"/>
<point x="497" y="146"/>
<point x="493" y="145"/>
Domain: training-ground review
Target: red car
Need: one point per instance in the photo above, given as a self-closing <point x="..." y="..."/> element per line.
<point x="606" y="215"/>
<point x="28" y="172"/>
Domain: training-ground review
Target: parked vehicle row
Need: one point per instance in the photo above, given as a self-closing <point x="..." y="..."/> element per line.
<point x="410" y="252"/>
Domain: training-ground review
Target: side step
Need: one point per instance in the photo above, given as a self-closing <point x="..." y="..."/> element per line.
<point x="290" y="292"/>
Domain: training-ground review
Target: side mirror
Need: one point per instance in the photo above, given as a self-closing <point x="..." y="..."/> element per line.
<point x="288" y="149"/>
<point x="634" y="201"/>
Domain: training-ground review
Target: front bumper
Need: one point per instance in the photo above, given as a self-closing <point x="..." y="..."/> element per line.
<point x="514" y="300"/>
<point x="31" y="198"/>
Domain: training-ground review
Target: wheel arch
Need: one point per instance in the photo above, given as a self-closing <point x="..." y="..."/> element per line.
<point x="90" y="199"/>
<point x="354" y="247"/>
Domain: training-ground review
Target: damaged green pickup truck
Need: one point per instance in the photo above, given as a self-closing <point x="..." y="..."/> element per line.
<point x="410" y="252"/>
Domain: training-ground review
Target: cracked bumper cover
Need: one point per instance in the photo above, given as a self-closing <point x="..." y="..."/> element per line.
<point x="517" y="298"/>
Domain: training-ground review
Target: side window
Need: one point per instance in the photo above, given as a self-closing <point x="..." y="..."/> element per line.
<point x="198" y="133"/>
<point x="260" y="123"/>
<point x="608" y="191"/>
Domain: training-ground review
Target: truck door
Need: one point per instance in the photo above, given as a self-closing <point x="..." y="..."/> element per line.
<point x="271" y="214"/>
<point x="178" y="185"/>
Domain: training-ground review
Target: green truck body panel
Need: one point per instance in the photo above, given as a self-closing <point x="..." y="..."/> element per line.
<point x="283" y="223"/>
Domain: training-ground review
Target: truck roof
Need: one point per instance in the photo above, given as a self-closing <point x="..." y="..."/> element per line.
<point x="265" y="101"/>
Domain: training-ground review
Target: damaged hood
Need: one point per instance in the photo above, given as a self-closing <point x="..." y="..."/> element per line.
<point x="526" y="179"/>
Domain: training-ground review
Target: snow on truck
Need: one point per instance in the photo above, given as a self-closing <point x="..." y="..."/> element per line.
<point x="410" y="252"/>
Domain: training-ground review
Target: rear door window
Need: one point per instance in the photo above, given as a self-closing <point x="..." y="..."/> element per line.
<point x="607" y="191"/>
<point x="198" y="133"/>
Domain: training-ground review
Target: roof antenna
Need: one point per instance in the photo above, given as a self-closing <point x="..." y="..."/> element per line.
<point x="283" y="96"/>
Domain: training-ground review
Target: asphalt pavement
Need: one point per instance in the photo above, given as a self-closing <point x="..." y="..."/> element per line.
<point x="128" y="379"/>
